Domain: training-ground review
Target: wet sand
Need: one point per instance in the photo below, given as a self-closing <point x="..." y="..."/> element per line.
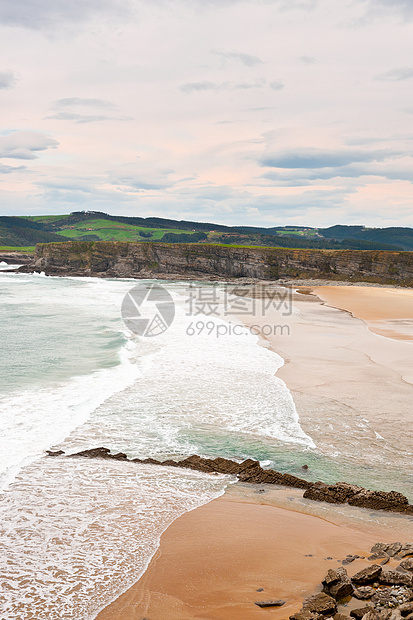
<point x="212" y="561"/>
<point x="342" y="376"/>
<point x="353" y="388"/>
<point x="387" y="311"/>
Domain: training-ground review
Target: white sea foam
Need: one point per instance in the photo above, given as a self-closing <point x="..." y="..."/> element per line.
<point x="195" y="391"/>
<point x="76" y="532"/>
<point x="6" y="267"/>
<point x="33" y="420"/>
<point x="173" y="394"/>
<point x="64" y="355"/>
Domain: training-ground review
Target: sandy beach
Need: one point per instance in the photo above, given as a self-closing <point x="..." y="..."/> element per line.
<point x="338" y="362"/>
<point x="212" y="561"/>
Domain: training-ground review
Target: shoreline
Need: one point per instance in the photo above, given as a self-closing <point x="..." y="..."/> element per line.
<point x="165" y="594"/>
<point x="248" y="543"/>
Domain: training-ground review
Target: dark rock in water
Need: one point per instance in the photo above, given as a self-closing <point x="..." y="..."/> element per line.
<point x="119" y="456"/>
<point x="100" y="453"/>
<point x="406" y="565"/>
<point x="54" y="453"/>
<point x="304" y="466"/>
<point x="251" y="471"/>
<point x="337" y="584"/>
<point x="360" y="612"/>
<point x="333" y="493"/>
<point x="321" y="604"/>
<point x="277" y="603"/>
<point x="406" y="608"/>
<point x="150" y="461"/>
<point x="306" y="615"/>
<point x="395" y="578"/>
<point x="259" y="590"/>
<point x="93" y="453"/>
<point x="377" y="556"/>
<point x="384" y="561"/>
<point x="367" y="575"/>
<point x="364" y="593"/>
<point x="379" y="500"/>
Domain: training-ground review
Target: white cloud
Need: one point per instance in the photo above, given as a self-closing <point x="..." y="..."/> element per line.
<point x="25" y="145"/>
<point x="396" y="75"/>
<point x="8" y="79"/>
<point x="248" y="60"/>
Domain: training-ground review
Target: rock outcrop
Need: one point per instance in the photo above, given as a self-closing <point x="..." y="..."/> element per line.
<point x="251" y="471"/>
<point x="337" y="584"/>
<point x="367" y="575"/>
<point x="163" y="260"/>
<point x="338" y="493"/>
<point x="320" y="604"/>
<point x="341" y="493"/>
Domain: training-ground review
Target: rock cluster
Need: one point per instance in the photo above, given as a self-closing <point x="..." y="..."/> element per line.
<point x="341" y="493"/>
<point x="251" y="471"/>
<point x="388" y="594"/>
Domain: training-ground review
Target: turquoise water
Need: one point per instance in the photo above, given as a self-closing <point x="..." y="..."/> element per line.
<point x="52" y="330"/>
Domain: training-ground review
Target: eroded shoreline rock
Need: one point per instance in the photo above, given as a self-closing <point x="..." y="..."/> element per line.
<point x="250" y="471"/>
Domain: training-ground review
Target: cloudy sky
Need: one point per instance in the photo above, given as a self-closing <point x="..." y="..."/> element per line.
<point x="261" y="112"/>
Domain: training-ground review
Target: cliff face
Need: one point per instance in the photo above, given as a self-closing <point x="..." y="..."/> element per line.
<point x="140" y="260"/>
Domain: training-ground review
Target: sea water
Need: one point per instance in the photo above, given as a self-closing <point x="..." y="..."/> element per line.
<point x="75" y="532"/>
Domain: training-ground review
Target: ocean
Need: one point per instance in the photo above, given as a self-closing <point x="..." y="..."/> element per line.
<point x="75" y="533"/>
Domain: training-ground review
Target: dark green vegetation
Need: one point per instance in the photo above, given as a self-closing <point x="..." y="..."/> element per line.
<point x="17" y="232"/>
<point x="97" y="226"/>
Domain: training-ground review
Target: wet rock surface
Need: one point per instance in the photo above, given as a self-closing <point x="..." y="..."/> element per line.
<point x="250" y="471"/>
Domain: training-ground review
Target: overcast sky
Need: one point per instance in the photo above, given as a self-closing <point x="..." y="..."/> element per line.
<point x="261" y="112"/>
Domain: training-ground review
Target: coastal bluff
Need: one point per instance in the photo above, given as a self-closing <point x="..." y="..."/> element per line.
<point x="207" y="261"/>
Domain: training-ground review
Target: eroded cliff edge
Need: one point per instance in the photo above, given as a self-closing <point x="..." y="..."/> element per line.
<point x="163" y="260"/>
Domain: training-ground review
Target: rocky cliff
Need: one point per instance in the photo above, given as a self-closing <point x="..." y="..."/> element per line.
<point x="162" y="260"/>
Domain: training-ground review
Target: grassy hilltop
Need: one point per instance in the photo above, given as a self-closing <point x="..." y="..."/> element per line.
<point x="26" y="232"/>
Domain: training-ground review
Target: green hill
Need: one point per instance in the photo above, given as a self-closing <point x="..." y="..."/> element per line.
<point x="18" y="232"/>
<point x="98" y="226"/>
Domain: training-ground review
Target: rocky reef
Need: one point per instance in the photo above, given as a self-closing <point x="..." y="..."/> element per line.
<point x="251" y="471"/>
<point x="169" y="261"/>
